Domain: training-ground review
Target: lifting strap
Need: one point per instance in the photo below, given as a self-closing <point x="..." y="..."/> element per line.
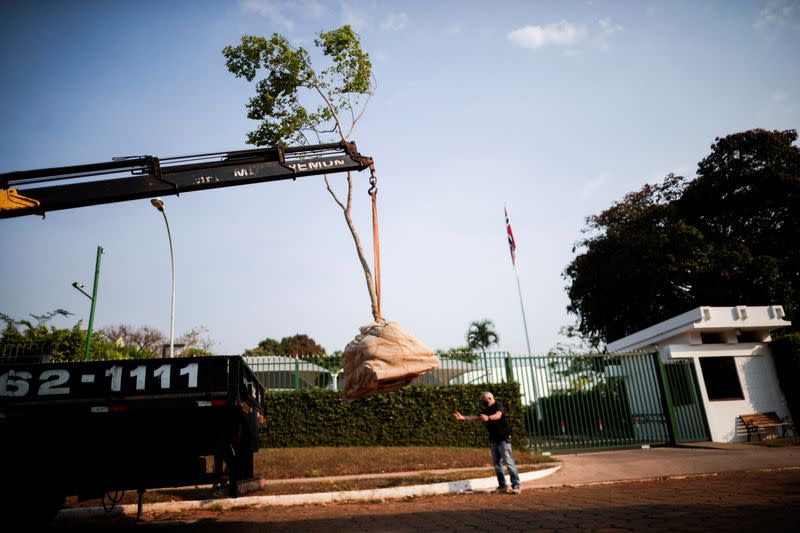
<point x="376" y="245"/>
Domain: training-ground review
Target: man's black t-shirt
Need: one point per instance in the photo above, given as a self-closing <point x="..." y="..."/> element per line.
<point x="498" y="429"/>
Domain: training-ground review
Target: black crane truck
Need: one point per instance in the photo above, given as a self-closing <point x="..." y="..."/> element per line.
<point x="100" y="427"/>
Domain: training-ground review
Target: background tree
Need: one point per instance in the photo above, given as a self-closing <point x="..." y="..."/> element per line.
<point x="112" y="342"/>
<point x="268" y="346"/>
<point x="302" y="344"/>
<point x="23" y="337"/>
<point x="746" y="202"/>
<point x="299" y="344"/>
<point x="458" y="353"/>
<point x="725" y="238"/>
<point x="577" y="344"/>
<point x="196" y="342"/>
<point x="331" y="362"/>
<point x="340" y="93"/>
<point x="635" y="264"/>
<point x="151" y="341"/>
<point x="481" y="335"/>
<point x="146" y="338"/>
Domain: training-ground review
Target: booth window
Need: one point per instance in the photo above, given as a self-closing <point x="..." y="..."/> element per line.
<point x="721" y="378"/>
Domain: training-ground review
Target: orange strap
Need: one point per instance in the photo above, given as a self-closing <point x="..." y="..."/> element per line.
<point x="376" y="248"/>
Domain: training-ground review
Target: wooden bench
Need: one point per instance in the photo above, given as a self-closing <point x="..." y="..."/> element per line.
<point x="758" y="422"/>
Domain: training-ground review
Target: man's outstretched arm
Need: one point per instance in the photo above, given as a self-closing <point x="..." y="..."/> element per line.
<point x="462" y="418"/>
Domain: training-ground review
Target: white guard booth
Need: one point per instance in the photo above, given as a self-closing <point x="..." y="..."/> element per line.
<point x="729" y="347"/>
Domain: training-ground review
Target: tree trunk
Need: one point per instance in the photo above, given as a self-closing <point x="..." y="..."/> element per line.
<point x="373" y="295"/>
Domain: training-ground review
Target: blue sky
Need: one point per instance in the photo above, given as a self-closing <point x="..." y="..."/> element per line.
<point x="557" y="108"/>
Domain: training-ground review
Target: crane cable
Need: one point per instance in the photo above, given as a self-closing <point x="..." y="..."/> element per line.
<point x="376" y="245"/>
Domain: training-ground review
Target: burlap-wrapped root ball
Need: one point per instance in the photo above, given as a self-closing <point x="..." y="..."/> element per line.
<point x="384" y="358"/>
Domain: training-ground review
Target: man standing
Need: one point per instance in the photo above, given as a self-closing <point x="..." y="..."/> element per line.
<point x="494" y="416"/>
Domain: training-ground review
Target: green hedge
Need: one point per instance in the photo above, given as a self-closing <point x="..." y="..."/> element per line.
<point x="786" y="353"/>
<point x="414" y="416"/>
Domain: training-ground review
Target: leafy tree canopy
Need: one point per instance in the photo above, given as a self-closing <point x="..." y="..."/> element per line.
<point x="299" y="344"/>
<point x="287" y="72"/>
<point x="24" y="337"/>
<point x="725" y="238"/>
<point x="459" y="353"/>
<point x="481" y="335"/>
<point x="149" y="340"/>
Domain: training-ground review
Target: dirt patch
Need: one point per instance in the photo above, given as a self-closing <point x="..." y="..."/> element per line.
<point x="304" y="470"/>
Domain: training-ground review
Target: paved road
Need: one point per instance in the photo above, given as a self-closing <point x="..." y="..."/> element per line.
<point x="761" y="501"/>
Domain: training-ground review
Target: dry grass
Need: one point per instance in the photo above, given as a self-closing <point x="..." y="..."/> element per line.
<point x="286" y="463"/>
<point x="421" y="478"/>
<point x="311" y="463"/>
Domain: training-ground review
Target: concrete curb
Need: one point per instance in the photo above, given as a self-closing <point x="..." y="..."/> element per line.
<point x="450" y="487"/>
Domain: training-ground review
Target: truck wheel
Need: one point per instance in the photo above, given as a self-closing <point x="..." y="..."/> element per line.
<point x="238" y="460"/>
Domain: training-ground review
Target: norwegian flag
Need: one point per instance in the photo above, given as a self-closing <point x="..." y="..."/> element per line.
<point x="511" y="244"/>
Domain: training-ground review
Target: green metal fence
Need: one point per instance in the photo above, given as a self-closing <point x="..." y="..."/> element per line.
<point x="579" y="402"/>
<point x="26" y="352"/>
<point x="280" y="373"/>
<point x="570" y="402"/>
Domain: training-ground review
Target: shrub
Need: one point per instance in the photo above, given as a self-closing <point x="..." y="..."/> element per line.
<point x="414" y="416"/>
<point x="786" y="354"/>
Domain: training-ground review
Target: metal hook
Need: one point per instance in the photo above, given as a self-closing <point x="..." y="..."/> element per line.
<point x="373" y="182"/>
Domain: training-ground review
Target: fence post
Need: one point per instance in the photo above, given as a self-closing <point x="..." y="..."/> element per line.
<point x="509" y="369"/>
<point x="673" y="432"/>
<point x="296" y="373"/>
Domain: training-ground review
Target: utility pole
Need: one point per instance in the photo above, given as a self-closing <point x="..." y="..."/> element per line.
<point x="158" y="203"/>
<point x="93" y="298"/>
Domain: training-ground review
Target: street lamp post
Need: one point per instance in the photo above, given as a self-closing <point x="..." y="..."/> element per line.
<point x="93" y="298"/>
<point x="158" y="203"/>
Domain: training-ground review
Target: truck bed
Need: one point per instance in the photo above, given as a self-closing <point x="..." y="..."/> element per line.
<point x="89" y="428"/>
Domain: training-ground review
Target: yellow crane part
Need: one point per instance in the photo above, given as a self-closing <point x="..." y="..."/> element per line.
<point x="10" y="199"/>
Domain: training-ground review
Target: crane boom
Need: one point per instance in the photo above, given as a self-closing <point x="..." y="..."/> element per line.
<point x="133" y="178"/>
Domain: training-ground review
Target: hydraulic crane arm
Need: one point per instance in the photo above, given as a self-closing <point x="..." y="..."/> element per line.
<point x="147" y="176"/>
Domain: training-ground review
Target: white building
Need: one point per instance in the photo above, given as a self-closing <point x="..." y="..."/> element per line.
<point x="728" y="347"/>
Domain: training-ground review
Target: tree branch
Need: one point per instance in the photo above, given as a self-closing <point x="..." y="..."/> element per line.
<point x="363" y="109"/>
<point x="330" y="190"/>
<point x="330" y="106"/>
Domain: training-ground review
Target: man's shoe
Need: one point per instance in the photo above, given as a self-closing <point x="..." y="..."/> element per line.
<point x="501" y="490"/>
<point x="516" y="490"/>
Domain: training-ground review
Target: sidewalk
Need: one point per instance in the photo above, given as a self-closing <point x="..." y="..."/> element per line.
<point x="573" y="470"/>
<point x="629" y="465"/>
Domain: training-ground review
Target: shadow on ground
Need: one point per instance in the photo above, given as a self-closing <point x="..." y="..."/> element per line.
<point x="738" y="501"/>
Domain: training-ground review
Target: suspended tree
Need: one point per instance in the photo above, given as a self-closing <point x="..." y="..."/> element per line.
<point x="297" y="102"/>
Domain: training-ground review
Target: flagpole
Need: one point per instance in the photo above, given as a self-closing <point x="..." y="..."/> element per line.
<point x="513" y="247"/>
<point x="522" y="306"/>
